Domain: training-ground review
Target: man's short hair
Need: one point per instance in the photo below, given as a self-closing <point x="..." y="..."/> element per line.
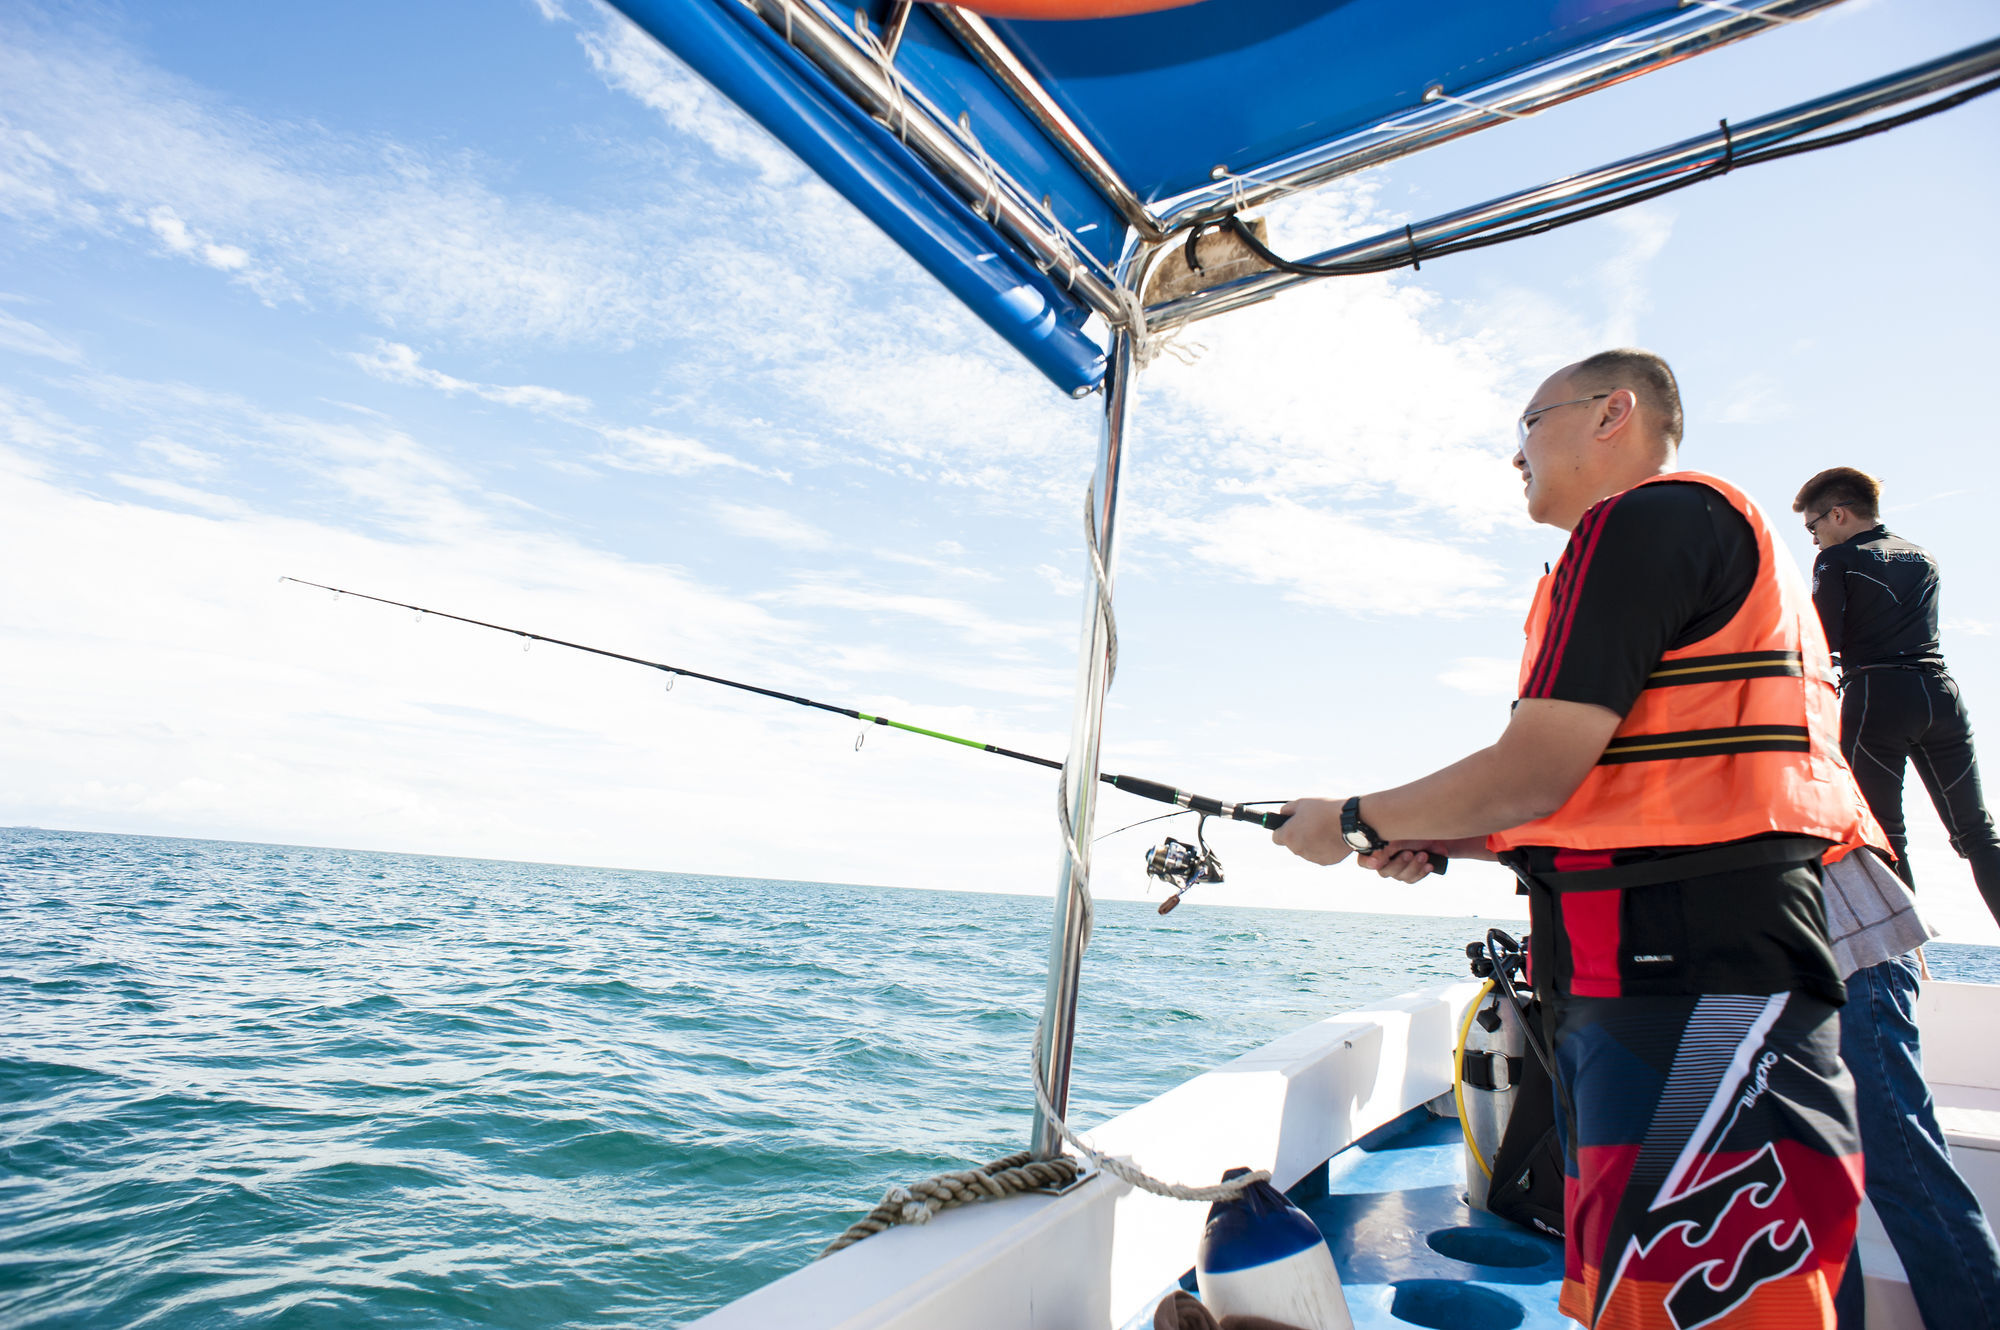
<point x="1841" y="487"/>
<point x="1648" y="376"/>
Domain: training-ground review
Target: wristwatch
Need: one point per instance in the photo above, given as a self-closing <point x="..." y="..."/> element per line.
<point x="1360" y="837"/>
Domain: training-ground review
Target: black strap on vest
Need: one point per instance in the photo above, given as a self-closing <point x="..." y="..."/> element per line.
<point x="1706" y="743"/>
<point x="1698" y="863"/>
<point x="1726" y="667"/>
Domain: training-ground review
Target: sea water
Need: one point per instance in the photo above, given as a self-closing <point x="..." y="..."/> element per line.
<point x="256" y="1085"/>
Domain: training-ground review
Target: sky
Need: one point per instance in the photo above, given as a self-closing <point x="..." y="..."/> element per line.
<point x="496" y="308"/>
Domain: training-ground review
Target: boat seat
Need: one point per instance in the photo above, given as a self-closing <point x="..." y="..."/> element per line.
<point x="1969" y="1114"/>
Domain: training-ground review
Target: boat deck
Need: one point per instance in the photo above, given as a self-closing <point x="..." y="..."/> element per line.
<point x="1412" y="1253"/>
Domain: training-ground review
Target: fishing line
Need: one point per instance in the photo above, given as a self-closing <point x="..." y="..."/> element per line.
<point x="1145" y="789"/>
<point x="1180" y="812"/>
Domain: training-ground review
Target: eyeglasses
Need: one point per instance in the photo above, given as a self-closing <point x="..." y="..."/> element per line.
<point x="1528" y="418"/>
<point x="1822" y="517"/>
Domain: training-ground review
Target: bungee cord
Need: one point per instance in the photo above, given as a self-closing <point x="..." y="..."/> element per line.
<point x="1499" y="231"/>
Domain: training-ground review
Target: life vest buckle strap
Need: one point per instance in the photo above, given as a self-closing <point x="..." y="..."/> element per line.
<point x="1698" y="863"/>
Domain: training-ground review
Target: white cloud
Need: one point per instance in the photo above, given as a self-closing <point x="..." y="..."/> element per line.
<point x="1356" y="388"/>
<point x="831" y="591"/>
<point x="26" y="422"/>
<point x="181" y="456"/>
<point x="1060" y="582"/>
<point x="233" y="706"/>
<point x="645" y="448"/>
<point x="1645" y="230"/>
<point x="771" y="524"/>
<point x="168" y="226"/>
<point x="1755" y="399"/>
<point x="1482" y="676"/>
<point x="1330" y="559"/>
<point x="187" y="496"/>
<point x="97" y="139"/>
<point x="397" y="363"/>
<point x="631" y="62"/>
<point x="30" y="340"/>
<point x="667" y="250"/>
<point x="950" y="567"/>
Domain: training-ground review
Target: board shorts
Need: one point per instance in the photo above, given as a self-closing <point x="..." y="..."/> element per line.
<point x="1713" y="1170"/>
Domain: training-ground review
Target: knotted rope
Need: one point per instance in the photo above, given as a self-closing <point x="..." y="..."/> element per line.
<point x="920" y="1202"/>
<point x="1147" y="345"/>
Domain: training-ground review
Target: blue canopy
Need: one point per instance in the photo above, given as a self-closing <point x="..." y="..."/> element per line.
<point x="1022" y="191"/>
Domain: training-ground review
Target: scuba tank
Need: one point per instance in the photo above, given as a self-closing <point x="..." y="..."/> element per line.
<point x="1507" y="1096"/>
<point x="1491" y="1044"/>
<point x="1261" y="1256"/>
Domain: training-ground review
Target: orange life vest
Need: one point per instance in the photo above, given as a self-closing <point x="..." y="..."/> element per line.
<point x="1734" y="736"/>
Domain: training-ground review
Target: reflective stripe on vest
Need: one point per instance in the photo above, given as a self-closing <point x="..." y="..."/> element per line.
<point x="1734" y="736"/>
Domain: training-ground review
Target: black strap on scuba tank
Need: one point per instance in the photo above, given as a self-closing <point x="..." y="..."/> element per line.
<point x="1489" y="1069"/>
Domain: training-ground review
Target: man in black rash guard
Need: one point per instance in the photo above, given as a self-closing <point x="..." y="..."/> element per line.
<point x="1877" y="596"/>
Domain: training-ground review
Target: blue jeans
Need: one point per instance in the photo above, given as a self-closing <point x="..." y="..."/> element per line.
<point x="1932" y="1217"/>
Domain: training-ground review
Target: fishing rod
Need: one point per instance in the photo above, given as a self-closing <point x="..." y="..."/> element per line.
<point x="1144" y="789"/>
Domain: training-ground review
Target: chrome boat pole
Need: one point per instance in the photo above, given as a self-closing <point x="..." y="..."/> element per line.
<point x="1093" y="677"/>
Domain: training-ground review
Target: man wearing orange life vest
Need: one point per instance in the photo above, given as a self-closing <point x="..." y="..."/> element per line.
<point x="1665" y="789"/>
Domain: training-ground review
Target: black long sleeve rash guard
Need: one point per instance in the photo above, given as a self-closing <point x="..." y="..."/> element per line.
<point x="1877" y="596"/>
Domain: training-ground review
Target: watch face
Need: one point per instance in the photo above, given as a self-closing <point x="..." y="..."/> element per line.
<point x="1357" y="840"/>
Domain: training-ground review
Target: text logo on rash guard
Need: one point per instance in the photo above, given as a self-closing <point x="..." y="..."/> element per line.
<point x="1715" y="1241"/>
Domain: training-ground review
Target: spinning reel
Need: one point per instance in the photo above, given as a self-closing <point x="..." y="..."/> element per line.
<point x="1182" y="866"/>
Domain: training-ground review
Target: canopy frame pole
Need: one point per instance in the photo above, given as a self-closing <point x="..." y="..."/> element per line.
<point x="951" y="151"/>
<point x="1693" y="30"/>
<point x="977" y="36"/>
<point x="1704" y="152"/>
<point x="1071" y="932"/>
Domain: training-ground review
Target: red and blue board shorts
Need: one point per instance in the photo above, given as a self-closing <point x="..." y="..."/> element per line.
<point x="1713" y="1166"/>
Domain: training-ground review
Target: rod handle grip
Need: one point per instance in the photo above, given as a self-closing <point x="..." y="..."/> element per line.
<point x="1145" y="789"/>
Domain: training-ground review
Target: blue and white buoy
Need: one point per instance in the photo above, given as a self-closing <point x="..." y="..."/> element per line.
<point x="1261" y="1256"/>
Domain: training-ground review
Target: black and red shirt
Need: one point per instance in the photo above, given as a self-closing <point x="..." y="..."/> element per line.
<point x="1653" y="569"/>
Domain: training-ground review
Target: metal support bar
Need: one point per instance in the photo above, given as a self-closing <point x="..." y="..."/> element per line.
<point x="999" y="60"/>
<point x="1737" y="9"/>
<point x="1436" y="93"/>
<point x="1653" y="168"/>
<point x="1440" y="119"/>
<point x="896" y="24"/>
<point x="1093" y="677"/>
<point x="810" y="28"/>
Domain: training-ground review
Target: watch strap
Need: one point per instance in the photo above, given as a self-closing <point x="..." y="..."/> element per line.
<point x="1358" y="834"/>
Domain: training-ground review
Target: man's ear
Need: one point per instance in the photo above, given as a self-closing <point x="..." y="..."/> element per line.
<point x="1615" y="412"/>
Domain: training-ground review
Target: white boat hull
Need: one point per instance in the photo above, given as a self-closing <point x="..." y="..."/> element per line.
<point x="1101" y="1256"/>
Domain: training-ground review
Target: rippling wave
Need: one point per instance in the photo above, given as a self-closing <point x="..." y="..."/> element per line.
<point x="255" y="1085"/>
